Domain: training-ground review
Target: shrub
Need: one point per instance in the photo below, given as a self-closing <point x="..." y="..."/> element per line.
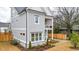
<point x="30" y="45"/>
<point x="74" y="39"/>
<point x="14" y="42"/>
<point x="47" y="41"/>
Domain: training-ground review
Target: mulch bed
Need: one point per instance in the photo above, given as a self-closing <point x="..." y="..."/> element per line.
<point x="39" y="47"/>
<point x="36" y="48"/>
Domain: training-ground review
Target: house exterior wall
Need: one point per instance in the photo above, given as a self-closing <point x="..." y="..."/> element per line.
<point x="24" y="23"/>
<point x="18" y="25"/>
<point x="32" y="27"/>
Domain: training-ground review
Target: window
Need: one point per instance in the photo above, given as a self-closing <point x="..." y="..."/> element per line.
<point x="32" y="35"/>
<point x="40" y="36"/>
<point x="20" y="33"/>
<point x="36" y="19"/>
<point x="23" y="34"/>
<point x="36" y="36"/>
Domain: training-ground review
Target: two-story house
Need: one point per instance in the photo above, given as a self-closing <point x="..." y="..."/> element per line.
<point x="31" y="24"/>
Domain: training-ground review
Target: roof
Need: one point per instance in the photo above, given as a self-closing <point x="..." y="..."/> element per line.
<point x="46" y="10"/>
<point x="36" y="9"/>
<point x="4" y="24"/>
<point x="20" y="9"/>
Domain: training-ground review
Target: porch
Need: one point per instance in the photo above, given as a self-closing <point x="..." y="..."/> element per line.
<point x="48" y="26"/>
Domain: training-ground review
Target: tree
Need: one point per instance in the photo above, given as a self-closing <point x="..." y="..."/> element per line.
<point x="56" y="24"/>
<point x="56" y="29"/>
<point x="74" y="39"/>
<point x="68" y="17"/>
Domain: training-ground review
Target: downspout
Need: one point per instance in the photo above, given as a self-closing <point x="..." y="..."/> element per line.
<point x="26" y="27"/>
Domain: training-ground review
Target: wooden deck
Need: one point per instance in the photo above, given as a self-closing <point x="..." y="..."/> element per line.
<point x="6" y="36"/>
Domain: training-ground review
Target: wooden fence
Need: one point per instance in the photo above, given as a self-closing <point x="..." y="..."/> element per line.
<point x="6" y="36"/>
<point x="58" y="36"/>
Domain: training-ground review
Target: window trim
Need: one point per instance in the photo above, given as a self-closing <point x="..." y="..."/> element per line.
<point x="35" y="36"/>
<point x="35" y="19"/>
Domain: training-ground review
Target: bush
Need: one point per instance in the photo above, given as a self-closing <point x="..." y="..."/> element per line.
<point x="47" y="41"/>
<point x="74" y="39"/>
<point x="30" y="45"/>
<point x="14" y="42"/>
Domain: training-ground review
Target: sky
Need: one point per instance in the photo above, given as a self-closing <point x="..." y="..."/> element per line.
<point x="5" y="14"/>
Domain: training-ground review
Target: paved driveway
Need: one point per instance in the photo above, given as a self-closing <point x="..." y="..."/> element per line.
<point x="62" y="45"/>
<point x="6" y="46"/>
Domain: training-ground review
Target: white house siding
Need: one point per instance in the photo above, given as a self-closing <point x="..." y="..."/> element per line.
<point x="26" y="19"/>
<point x="32" y="27"/>
<point x="19" y="26"/>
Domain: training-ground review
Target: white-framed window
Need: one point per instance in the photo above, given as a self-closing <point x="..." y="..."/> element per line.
<point x="36" y="19"/>
<point x="32" y="37"/>
<point x="40" y="36"/>
<point x="36" y="36"/>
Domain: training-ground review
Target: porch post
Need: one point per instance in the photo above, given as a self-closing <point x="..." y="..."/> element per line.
<point x="52" y="28"/>
<point x="47" y="34"/>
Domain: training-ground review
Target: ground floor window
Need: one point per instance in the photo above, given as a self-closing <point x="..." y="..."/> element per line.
<point x="36" y="36"/>
<point x="40" y="36"/>
<point x="32" y="37"/>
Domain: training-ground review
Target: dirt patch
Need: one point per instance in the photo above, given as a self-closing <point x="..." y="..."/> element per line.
<point x="63" y="45"/>
<point x="55" y="45"/>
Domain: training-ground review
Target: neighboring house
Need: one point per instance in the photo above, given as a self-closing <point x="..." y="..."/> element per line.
<point x="74" y="28"/>
<point x="4" y="27"/>
<point x="31" y="24"/>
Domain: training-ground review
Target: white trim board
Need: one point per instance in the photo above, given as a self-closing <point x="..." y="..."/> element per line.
<point x="18" y="28"/>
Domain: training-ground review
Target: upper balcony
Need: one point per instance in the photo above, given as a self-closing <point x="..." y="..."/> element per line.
<point x="48" y="23"/>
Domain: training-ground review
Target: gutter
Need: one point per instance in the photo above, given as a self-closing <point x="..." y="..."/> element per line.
<point x="26" y="27"/>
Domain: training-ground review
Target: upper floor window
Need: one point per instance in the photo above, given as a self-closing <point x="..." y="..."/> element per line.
<point x="36" y="19"/>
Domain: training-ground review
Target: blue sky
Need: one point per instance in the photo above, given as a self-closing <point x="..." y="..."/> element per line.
<point x="5" y="14"/>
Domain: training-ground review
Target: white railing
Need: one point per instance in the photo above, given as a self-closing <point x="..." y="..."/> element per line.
<point x="48" y="26"/>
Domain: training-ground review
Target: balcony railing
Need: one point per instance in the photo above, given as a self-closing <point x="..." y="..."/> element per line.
<point x="48" y="26"/>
